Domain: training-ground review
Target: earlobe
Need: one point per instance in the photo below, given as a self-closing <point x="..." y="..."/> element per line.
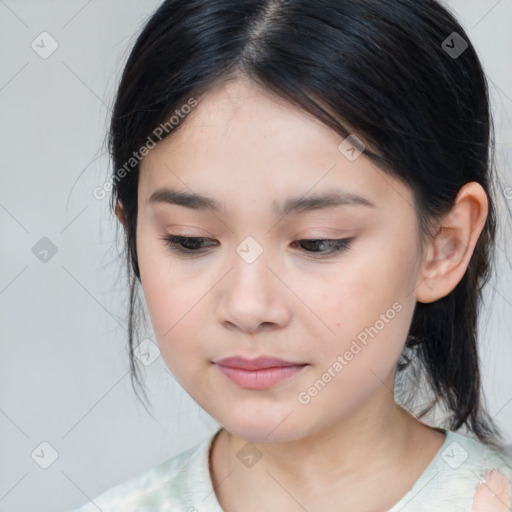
<point x="120" y="213"/>
<point x="449" y="254"/>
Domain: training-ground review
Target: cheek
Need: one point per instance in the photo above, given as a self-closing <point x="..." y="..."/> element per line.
<point x="173" y="305"/>
<point x="370" y="325"/>
<point x="370" y="305"/>
<point x="176" y="317"/>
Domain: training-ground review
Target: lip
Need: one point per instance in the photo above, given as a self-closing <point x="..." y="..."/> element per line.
<point x="257" y="363"/>
<point x="260" y="373"/>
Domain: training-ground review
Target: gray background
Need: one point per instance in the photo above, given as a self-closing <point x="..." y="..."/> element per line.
<point x="64" y="365"/>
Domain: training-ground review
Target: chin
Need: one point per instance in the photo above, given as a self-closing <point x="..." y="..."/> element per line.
<point x="261" y="429"/>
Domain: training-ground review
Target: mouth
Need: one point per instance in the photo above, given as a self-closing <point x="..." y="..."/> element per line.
<point x="260" y="373"/>
<point x="258" y="363"/>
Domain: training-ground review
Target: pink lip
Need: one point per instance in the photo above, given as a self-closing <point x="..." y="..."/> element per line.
<point x="260" y="373"/>
<point x="257" y="363"/>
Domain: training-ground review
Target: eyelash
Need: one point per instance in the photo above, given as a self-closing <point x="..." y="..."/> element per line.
<point x="175" y="243"/>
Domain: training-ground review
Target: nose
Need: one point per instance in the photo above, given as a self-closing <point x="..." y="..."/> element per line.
<point x="253" y="297"/>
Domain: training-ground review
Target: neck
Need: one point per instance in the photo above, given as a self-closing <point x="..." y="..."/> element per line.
<point x="343" y="450"/>
<point x="333" y="462"/>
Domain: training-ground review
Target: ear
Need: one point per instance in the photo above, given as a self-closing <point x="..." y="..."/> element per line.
<point x="449" y="253"/>
<point x="120" y="213"/>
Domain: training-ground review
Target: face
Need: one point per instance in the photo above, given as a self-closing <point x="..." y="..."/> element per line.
<point x="258" y="283"/>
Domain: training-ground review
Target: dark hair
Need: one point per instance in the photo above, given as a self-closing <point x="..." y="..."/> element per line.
<point x="381" y="67"/>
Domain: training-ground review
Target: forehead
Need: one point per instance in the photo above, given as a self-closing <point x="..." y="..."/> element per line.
<point x="242" y="142"/>
<point x="238" y="115"/>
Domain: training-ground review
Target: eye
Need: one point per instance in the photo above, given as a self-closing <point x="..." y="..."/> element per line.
<point x="192" y="245"/>
<point x="336" y="245"/>
<point x="185" y="244"/>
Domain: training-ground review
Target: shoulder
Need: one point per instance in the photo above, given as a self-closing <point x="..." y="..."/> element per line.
<point x="474" y="457"/>
<point x="469" y="472"/>
<point x="173" y="485"/>
<point x="464" y="476"/>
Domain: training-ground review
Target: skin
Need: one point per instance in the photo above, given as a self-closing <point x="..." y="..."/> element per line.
<point x="492" y="494"/>
<point x="250" y="150"/>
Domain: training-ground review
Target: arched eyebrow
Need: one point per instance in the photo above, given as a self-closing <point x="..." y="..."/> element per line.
<point x="293" y="205"/>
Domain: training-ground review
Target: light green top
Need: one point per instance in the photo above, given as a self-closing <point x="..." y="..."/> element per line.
<point x="183" y="483"/>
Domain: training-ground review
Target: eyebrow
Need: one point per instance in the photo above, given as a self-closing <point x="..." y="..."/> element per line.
<point x="293" y="205"/>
